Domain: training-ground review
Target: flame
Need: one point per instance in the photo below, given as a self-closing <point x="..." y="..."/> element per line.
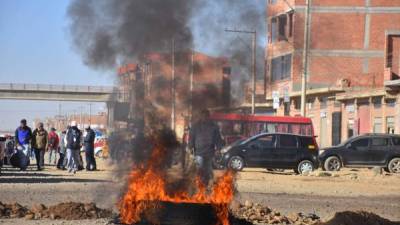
<point x="147" y="186"/>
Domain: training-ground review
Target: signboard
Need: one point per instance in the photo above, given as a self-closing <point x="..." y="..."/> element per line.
<point x="286" y="97"/>
<point x="275" y="99"/>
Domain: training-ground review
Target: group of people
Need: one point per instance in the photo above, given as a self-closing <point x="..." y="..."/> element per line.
<point x="67" y="145"/>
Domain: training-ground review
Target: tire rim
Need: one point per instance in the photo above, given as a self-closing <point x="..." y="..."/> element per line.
<point x="395" y="166"/>
<point x="334" y="165"/>
<point x="306" y="167"/>
<point x="236" y="163"/>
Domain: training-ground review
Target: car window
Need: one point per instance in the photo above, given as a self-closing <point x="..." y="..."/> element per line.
<point x="266" y="141"/>
<point x="288" y="141"/>
<point x="379" y="141"/>
<point x="396" y="141"/>
<point x="360" y="143"/>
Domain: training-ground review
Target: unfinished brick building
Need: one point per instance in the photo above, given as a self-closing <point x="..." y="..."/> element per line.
<point x="151" y="79"/>
<point x="354" y="64"/>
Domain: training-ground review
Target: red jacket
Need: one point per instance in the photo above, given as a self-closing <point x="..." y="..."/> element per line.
<point x="53" y="140"/>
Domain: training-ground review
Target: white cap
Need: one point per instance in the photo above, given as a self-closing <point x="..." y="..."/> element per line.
<point x="73" y="123"/>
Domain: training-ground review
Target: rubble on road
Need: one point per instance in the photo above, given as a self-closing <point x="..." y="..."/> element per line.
<point x="258" y="214"/>
<point x="355" y="218"/>
<point x="65" y="211"/>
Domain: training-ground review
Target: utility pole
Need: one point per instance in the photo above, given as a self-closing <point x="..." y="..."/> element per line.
<point x="80" y="117"/>
<point x="191" y="87"/>
<point x="173" y="87"/>
<point x="254" y="64"/>
<point x="305" y="57"/>
<point x="90" y="114"/>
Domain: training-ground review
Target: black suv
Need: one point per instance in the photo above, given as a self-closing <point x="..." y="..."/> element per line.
<point x="364" y="151"/>
<point x="272" y="151"/>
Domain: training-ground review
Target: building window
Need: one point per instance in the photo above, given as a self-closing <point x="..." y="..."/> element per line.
<point x="323" y="102"/>
<point x="377" y="102"/>
<point x="390" y="124"/>
<point x="297" y="104"/>
<point x="378" y="125"/>
<point x="282" y="21"/>
<point x="274" y="30"/>
<point x="391" y="102"/>
<point x="281" y="67"/>
<point x="290" y="15"/>
<point x="310" y="103"/>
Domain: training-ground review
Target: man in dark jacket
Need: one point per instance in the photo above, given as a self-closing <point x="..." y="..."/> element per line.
<point x="39" y="144"/>
<point x="74" y="136"/>
<point x="89" y="149"/>
<point x="23" y="136"/>
<point x="205" y="139"/>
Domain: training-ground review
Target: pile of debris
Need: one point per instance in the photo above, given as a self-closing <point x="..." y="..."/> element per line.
<point x="354" y="218"/>
<point x="258" y="214"/>
<point x="65" y="211"/>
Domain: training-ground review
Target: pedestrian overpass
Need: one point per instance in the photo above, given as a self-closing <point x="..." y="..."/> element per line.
<point x="50" y="92"/>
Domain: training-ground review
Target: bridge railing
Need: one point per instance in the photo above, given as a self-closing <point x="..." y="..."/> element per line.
<point x="52" y="87"/>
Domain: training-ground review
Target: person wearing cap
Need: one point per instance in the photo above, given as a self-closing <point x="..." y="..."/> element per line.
<point x="89" y="148"/>
<point x="73" y="139"/>
<point x="39" y="144"/>
<point x="23" y="136"/>
<point x="53" y="146"/>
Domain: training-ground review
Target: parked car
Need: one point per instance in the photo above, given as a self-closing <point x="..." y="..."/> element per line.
<point x="367" y="150"/>
<point x="272" y="151"/>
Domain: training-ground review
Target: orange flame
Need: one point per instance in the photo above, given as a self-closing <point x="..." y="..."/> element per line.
<point x="147" y="186"/>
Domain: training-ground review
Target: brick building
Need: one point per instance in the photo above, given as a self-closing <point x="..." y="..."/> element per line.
<point x="354" y="64"/>
<point x="151" y="78"/>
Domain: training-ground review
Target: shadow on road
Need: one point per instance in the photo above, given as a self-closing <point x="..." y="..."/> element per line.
<point x="46" y="180"/>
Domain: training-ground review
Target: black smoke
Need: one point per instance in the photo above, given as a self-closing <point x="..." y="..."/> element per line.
<point x="109" y="32"/>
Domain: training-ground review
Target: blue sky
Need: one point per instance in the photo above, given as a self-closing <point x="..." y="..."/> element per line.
<point x="35" y="48"/>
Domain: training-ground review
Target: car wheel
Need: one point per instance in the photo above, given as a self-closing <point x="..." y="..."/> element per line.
<point x="305" y="166"/>
<point x="236" y="163"/>
<point x="332" y="163"/>
<point x="99" y="154"/>
<point x="394" y="165"/>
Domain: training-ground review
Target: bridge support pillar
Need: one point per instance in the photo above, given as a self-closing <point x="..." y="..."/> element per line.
<point x="110" y="112"/>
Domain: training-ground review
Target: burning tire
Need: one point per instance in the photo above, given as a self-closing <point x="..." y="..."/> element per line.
<point x="236" y="163"/>
<point x="332" y="163"/>
<point x="305" y="166"/>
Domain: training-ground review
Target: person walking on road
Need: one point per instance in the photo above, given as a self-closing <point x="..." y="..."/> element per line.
<point x="89" y="149"/>
<point x="23" y="136"/>
<point x="53" y="145"/>
<point x="205" y="139"/>
<point x="39" y="144"/>
<point x="74" y="136"/>
<point x="62" y="150"/>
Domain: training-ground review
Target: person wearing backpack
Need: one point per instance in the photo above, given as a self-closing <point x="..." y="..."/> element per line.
<point x="23" y="136"/>
<point x="74" y="136"/>
<point x="39" y="144"/>
<point x="53" y="145"/>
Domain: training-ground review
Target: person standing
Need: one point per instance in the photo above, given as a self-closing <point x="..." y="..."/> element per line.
<point x="74" y="136"/>
<point x="205" y="139"/>
<point x="40" y="144"/>
<point x="53" y="145"/>
<point x="89" y="149"/>
<point x="62" y="151"/>
<point x="23" y="136"/>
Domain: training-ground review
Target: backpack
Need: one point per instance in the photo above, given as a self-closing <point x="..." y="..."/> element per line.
<point x="74" y="139"/>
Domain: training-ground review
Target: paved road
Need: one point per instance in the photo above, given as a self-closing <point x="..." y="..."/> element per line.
<point x="285" y="192"/>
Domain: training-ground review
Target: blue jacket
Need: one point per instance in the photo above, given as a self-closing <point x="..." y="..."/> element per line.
<point x="23" y="135"/>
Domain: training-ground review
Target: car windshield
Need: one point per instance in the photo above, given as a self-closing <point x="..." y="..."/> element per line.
<point x="347" y="141"/>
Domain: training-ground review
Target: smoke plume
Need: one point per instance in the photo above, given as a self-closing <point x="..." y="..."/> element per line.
<point x="108" y="32"/>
